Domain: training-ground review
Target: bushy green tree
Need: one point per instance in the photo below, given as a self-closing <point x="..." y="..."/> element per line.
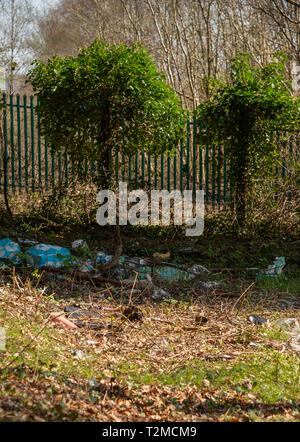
<point x="106" y="99"/>
<point x="242" y="115"/>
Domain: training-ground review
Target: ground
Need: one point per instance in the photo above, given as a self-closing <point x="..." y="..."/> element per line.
<point x="193" y="356"/>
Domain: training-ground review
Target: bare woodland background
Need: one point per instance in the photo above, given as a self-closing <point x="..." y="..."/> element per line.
<point x="188" y="39"/>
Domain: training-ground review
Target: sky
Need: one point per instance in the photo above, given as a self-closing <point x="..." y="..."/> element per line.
<point x="43" y="3"/>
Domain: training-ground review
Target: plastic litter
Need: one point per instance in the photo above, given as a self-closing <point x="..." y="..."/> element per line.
<point x="289" y="304"/>
<point x="2" y="339"/>
<point x="256" y="320"/>
<point x="287" y="323"/>
<point x="9" y="252"/>
<point x="274" y="270"/>
<point x="226" y="357"/>
<point x="82" y="317"/>
<point x="77" y="313"/>
<point x="130" y="266"/>
<point x="59" y="317"/>
<point x="209" y="286"/>
<point x="93" y="384"/>
<point x="103" y="258"/>
<point x="255" y="345"/>
<point x="27" y="242"/>
<point x="160" y="294"/>
<point x="177" y="273"/>
<point x="78" y="354"/>
<point x="199" y="269"/>
<point x="172" y="273"/>
<point x="87" y="266"/>
<point x="79" y="244"/>
<point x="295" y="343"/>
<point x="47" y="255"/>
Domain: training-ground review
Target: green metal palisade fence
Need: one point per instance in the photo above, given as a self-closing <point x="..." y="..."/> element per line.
<point x="32" y="166"/>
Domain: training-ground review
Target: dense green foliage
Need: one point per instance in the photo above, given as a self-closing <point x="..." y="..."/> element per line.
<point x="242" y="116"/>
<point x="106" y="99"/>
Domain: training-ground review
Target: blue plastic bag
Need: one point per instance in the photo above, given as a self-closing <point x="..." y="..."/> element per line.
<point x="47" y="255"/>
<point x="9" y="252"/>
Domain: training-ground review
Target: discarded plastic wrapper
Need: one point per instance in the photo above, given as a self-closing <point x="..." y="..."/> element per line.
<point x="198" y="269"/>
<point x="274" y="270"/>
<point x="9" y="252"/>
<point x="87" y="266"/>
<point x="130" y="266"/>
<point x="177" y="273"/>
<point x="287" y="323"/>
<point x="208" y="286"/>
<point x="295" y="343"/>
<point x="79" y="244"/>
<point x="103" y="258"/>
<point x="60" y="317"/>
<point x="27" y="242"/>
<point x="139" y="265"/>
<point x="289" y="304"/>
<point x="256" y="320"/>
<point x="160" y="293"/>
<point x="47" y="255"/>
<point x="172" y="273"/>
<point x="78" y="354"/>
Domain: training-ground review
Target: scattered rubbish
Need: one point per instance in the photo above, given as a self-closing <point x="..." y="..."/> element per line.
<point x="199" y="269"/>
<point x="200" y="320"/>
<point x="209" y="286"/>
<point x="295" y="343"/>
<point x="226" y="357"/>
<point x="93" y="384"/>
<point x="162" y="256"/>
<point x="78" y="354"/>
<point x="47" y="255"/>
<point x="255" y="345"/>
<point x="274" y="270"/>
<point x="9" y="252"/>
<point x="77" y="313"/>
<point x="59" y="317"/>
<point x="79" y="244"/>
<point x="130" y="266"/>
<point x="256" y="320"/>
<point x="87" y="266"/>
<point x="103" y="258"/>
<point x="171" y="273"/>
<point x="287" y="323"/>
<point x="176" y="273"/>
<point x="145" y="285"/>
<point x="27" y="242"/>
<point x="289" y="304"/>
<point x="160" y="294"/>
<point x="82" y="317"/>
<point x="131" y="292"/>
